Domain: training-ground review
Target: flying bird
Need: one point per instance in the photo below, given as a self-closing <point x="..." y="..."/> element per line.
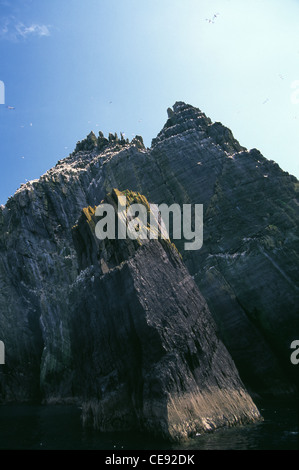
<point x="213" y="19"/>
<point x="10" y="107"/>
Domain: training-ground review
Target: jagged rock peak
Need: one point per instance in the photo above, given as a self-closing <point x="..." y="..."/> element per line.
<point x="183" y="112"/>
<point x="99" y="143"/>
<point x="184" y="119"/>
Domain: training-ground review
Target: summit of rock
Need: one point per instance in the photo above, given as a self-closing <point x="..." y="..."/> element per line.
<point x="184" y="119"/>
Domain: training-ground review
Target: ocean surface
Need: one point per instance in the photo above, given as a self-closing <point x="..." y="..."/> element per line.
<point x="59" y="427"/>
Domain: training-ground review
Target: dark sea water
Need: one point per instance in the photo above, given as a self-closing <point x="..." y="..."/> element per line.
<point x="59" y="427"/>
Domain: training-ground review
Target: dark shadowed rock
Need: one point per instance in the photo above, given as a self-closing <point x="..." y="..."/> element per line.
<point x="145" y="347"/>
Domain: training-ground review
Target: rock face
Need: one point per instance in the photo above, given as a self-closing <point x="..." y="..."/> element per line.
<point x="145" y="350"/>
<point x="247" y="269"/>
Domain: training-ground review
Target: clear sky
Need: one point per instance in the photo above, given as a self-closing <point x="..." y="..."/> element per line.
<point x="72" y="66"/>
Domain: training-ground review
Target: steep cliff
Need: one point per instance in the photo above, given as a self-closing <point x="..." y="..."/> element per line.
<point x="145" y="349"/>
<point x="247" y="269"/>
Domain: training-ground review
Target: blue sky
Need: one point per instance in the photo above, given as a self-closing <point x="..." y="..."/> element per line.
<point x="72" y="66"/>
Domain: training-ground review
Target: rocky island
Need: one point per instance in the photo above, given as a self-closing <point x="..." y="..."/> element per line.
<point x="148" y="335"/>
